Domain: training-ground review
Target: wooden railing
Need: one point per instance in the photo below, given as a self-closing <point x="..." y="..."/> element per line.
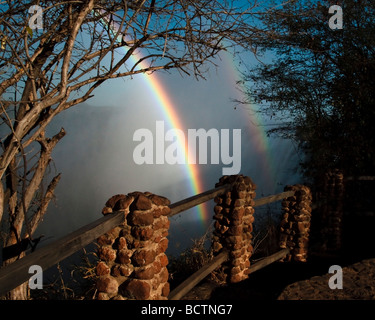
<point x="182" y="289"/>
<point x="17" y="273"/>
<point x="198" y="276"/>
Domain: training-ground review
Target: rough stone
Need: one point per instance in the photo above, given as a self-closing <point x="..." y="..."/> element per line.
<point x="157" y="212"/>
<point x="144" y="273"/>
<point x="141" y="218"/>
<point x="218" y="217"/>
<point x="218" y="209"/>
<point x="217" y="246"/>
<point x="124" y="270"/>
<point x="105" y="240"/>
<point x="242" y="194"/>
<point x="124" y="256"/>
<point x="166" y="211"/>
<point x="163" y="245"/>
<point x="135" y="249"/>
<point x="161" y="223"/>
<point x="141" y="202"/>
<point x="218" y="200"/>
<point x="235" y="230"/>
<point x="238" y="213"/>
<point x="164" y="275"/>
<point x="138" y="289"/>
<point x="159" y="200"/>
<point x="249" y="210"/>
<point x="121" y="243"/>
<point x="143" y="257"/>
<point x="114" y="233"/>
<point x="248" y="219"/>
<point x="236" y="254"/>
<point x="112" y="201"/>
<point x="107" y="284"/>
<point x="142" y="233"/>
<point x="238" y="217"/>
<point x="235" y="278"/>
<point x="157" y="266"/>
<point x="102" y="269"/>
<point x="163" y="259"/>
<point x="248" y="228"/>
<point x="123" y="203"/>
<point x="235" y="270"/>
<point x="239" y="203"/>
<point x="107" y="210"/>
<point x="166" y="289"/>
<point x="107" y="254"/>
<point x="103" y="296"/>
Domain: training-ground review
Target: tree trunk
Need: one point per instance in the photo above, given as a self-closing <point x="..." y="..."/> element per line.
<point x="21" y="292"/>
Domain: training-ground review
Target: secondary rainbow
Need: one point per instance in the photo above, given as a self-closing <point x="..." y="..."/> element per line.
<point x="259" y="139"/>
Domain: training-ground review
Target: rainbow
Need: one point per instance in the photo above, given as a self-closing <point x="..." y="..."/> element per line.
<point x="259" y="138"/>
<point x="166" y="105"/>
<point x="261" y="145"/>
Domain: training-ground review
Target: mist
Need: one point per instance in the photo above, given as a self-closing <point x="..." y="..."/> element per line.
<point x="96" y="156"/>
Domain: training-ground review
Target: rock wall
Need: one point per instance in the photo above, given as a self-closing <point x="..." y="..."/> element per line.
<point x="132" y="256"/>
<point x="233" y="226"/>
<point x="332" y="211"/>
<point x="133" y="263"/>
<point x="295" y="223"/>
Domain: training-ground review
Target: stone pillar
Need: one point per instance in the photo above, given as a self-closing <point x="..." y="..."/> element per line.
<point x="332" y="211"/>
<point x="233" y="226"/>
<point x="295" y="223"/>
<point x="132" y="256"/>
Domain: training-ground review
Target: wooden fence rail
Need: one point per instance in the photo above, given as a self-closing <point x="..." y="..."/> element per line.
<point x="17" y="273"/>
<point x="198" y="276"/>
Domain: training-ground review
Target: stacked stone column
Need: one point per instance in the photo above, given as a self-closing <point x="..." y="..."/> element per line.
<point x="233" y="226"/>
<point x="132" y="256"/>
<point x="295" y="223"/>
<point x="332" y="210"/>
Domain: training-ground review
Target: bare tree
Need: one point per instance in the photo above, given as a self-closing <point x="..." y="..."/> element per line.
<point x="46" y="71"/>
